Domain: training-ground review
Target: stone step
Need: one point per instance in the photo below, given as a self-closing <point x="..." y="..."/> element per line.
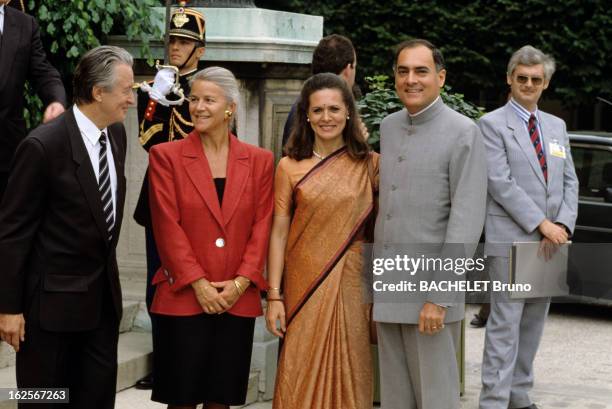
<point x="253" y="391"/>
<point x="7" y="355"/>
<point x="134" y="358"/>
<point x="134" y="313"/>
<point x="133" y="289"/>
<point x="130" y="311"/>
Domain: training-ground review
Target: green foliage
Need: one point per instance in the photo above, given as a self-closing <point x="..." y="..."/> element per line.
<point x="477" y="38"/>
<point x="71" y="28"/>
<point x="382" y="101"/>
<point x="376" y="105"/>
<point x="457" y="102"/>
<point x="32" y="113"/>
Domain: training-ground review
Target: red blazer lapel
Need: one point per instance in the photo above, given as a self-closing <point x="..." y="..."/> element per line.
<point x="198" y="170"/>
<point x="238" y="169"/>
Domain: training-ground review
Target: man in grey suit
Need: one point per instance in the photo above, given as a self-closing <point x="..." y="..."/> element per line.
<point x="533" y="197"/>
<point x="432" y="191"/>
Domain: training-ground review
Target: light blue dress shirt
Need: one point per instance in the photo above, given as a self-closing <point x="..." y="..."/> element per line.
<point x="524" y="115"/>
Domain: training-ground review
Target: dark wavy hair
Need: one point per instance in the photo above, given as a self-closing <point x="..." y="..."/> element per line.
<point x="301" y="140"/>
<point x="333" y="53"/>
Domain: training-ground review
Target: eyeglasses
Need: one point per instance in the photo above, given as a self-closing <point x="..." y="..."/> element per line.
<point x="536" y="81"/>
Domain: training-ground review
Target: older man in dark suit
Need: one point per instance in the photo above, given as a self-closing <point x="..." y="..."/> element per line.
<point x="22" y="58"/>
<point x="60" y="298"/>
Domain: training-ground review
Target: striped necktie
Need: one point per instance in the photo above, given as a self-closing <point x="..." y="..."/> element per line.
<point x="537" y="144"/>
<point x="105" y="188"/>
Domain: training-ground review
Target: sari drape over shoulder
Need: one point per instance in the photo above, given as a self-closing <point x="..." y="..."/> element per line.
<point x="325" y="360"/>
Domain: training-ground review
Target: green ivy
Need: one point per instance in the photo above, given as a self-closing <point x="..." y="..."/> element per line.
<point x="71" y="28"/>
<point x="382" y="100"/>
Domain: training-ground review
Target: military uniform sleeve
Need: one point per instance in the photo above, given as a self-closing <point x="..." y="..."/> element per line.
<point x="153" y="119"/>
<point x="158" y="123"/>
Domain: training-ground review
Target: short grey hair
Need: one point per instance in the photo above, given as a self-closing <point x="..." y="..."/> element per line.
<point x="529" y="55"/>
<point x="97" y="68"/>
<point x="223" y="78"/>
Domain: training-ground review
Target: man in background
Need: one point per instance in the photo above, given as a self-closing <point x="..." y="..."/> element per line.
<point x="22" y="59"/>
<point x="532" y="197"/>
<point x="334" y="53"/>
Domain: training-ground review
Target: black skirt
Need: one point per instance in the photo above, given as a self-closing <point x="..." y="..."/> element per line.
<point x="201" y="359"/>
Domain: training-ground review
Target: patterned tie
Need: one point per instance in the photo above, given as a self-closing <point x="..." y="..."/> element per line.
<point x="105" y="188"/>
<point x="537" y="144"/>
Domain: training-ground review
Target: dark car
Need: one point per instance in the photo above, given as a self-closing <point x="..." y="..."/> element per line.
<point x="590" y="269"/>
<point x="593" y="162"/>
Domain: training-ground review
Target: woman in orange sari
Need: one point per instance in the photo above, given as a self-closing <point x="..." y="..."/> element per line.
<point x="323" y="199"/>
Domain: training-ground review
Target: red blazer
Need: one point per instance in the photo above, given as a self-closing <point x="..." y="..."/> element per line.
<point x="195" y="236"/>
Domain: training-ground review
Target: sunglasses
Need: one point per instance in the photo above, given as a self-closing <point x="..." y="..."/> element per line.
<point x="522" y="79"/>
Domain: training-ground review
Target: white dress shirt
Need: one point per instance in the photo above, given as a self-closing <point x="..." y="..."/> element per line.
<point x="2" y="19"/>
<point x="91" y="137"/>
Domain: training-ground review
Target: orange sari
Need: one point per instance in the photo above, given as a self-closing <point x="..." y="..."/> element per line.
<point x="325" y="360"/>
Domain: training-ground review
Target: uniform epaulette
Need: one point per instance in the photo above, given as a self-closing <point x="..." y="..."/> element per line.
<point x="150" y="111"/>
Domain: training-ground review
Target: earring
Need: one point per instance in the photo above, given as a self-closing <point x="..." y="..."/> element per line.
<point x="307" y="119"/>
<point x="228" y="114"/>
<point x="348" y="117"/>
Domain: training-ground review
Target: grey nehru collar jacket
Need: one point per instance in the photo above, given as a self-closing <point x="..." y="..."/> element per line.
<point x="427" y="114"/>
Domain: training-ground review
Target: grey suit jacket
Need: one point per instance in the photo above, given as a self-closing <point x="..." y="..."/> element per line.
<point x="432" y="190"/>
<point x="518" y="197"/>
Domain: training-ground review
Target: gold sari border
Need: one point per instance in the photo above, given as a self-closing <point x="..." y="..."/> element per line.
<point x="331" y="264"/>
<point x="319" y="166"/>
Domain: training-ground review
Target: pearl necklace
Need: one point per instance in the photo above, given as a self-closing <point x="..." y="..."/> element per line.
<point x="317" y="155"/>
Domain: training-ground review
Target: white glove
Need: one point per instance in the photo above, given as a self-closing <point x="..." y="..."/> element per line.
<point x="163" y="84"/>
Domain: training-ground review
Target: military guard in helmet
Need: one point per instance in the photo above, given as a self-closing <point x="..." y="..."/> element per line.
<point x="163" y="115"/>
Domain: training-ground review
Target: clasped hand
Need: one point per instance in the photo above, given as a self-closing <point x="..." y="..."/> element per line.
<point x="12" y="329"/>
<point x="554" y="235"/>
<point x="215" y="297"/>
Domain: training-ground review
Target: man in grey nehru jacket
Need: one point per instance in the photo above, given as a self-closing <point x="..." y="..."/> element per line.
<point x="432" y="191"/>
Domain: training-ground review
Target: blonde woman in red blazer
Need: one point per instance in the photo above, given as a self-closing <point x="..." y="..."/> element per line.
<point x="211" y="207"/>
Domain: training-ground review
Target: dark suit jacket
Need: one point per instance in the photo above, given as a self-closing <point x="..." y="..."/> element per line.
<point x="198" y="238"/>
<point x="57" y="264"/>
<point x="22" y="58"/>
